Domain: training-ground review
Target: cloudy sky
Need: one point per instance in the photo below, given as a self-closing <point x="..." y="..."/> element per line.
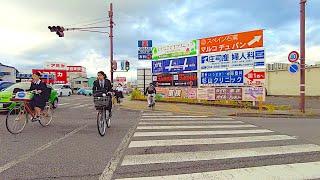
<point x="27" y="43"/>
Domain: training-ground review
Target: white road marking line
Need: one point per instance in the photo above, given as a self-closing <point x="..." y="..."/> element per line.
<point x="207" y="141"/>
<point x="309" y="170"/>
<point x="38" y="150"/>
<point x="80" y="106"/>
<point x="184" y="119"/>
<point x="156" y="114"/>
<point x="193" y="133"/>
<point x="190" y="122"/>
<point x="196" y="127"/>
<point x="63" y="104"/>
<point x="221" y="154"/>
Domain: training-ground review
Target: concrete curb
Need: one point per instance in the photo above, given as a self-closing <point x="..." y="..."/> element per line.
<point x="275" y="115"/>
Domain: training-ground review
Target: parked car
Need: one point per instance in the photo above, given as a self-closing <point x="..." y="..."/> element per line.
<point x="88" y="91"/>
<point x="81" y="91"/>
<point x="5" y="84"/>
<point x="63" y="89"/>
<point x="7" y="94"/>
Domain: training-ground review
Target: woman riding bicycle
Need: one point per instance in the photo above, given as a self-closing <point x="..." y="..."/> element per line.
<point x="151" y="92"/>
<point x="102" y="85"/>
<point x="39" y="88"/>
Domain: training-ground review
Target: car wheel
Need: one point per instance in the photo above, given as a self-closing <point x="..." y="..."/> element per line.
<point x="55" y="103"/>
<point x="69" y="94"/>
<point x="90" y="94"/>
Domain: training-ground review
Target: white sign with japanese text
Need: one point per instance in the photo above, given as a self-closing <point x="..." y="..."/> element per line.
<point x="248" y="77"/>
<point x="238" y="59"/>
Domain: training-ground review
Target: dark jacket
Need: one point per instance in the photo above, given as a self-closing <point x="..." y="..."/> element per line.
<point x="150" y="91"/>
<point x="98" y="89"/>
<point x="39" y="100"/>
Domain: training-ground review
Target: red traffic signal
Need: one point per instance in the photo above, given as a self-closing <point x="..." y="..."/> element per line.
<point x="127" y="66"/>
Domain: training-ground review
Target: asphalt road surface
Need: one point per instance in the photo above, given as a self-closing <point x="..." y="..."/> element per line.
<point x="159" y="145"/>
<point x="166" y="146"/>
<point x="70" y="148"/>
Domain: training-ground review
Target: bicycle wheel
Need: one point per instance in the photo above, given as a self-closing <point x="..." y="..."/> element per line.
<point x="108" y="119"/>
<point x="16" y="120"/>
<point x="46" y="116"/>
<point x="101" y="122"/>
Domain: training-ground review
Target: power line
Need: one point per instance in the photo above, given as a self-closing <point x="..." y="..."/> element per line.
<point x="98" y="22"/>
<point x="94" y="31"/>
<point x="85" y="22"/>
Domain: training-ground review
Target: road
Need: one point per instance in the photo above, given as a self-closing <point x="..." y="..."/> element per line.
<point x="70" y="148"/>
<point x="159" y="145"/>
<point x="167" y="146"/>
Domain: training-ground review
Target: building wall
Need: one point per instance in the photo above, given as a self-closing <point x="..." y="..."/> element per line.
<point x="83" y="83"/>
<point x="281" y="82"/>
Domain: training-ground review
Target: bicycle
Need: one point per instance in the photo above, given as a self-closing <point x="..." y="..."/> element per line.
<point x="103" y="118"/>
<point x="18" y="117"/>
<point x="152" y="101"/>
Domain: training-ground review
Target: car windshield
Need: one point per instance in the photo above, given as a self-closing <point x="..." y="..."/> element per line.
<point x="57" y="86"/>
<point x="22" y="85"/>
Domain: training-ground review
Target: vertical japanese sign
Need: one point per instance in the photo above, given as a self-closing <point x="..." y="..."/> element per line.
<point x="145" y="49"/>
<point x="243" y="40"/>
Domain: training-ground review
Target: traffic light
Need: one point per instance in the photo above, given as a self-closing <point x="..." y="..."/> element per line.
<point x="114" y="65"/>
<point x="127" y="65"/>
<point x="58" y="29"/>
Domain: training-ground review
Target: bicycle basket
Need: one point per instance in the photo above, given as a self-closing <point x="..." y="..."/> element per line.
<point x="101" y="101"/>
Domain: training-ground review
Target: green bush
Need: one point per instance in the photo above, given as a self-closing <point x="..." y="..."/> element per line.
<point x="136" y="94"/>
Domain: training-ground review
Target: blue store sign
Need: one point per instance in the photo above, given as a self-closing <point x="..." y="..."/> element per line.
<point x="179" y="65"/>
<point x="223" y="78"/>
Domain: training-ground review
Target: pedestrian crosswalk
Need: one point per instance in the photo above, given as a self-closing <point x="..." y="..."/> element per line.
<point x="167" y="146"/>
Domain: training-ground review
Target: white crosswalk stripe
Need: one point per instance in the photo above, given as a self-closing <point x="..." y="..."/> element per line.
<point x="192" y="133"/>
<point x="198" y="141"/>
<point x="189" y="122"/>
<point x="157" y="134"/>
<point x="197" y="127"/>
<point x="308" y="170"/>
<point x="183" y="119"/>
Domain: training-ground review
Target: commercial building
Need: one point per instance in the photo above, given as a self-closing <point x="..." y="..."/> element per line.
<point x="62" y="73"/>
<point x="75" y="72"/>
<point x="79" y="82"/>
<point x="8" y="73"/>
<point x="144" y="78"/>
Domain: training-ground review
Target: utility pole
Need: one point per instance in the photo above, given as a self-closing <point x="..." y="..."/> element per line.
<point x="302" y="51"/>
<point x="111" y="41"/>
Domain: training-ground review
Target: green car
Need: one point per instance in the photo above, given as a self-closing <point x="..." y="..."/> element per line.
<point x="7" y="94"/>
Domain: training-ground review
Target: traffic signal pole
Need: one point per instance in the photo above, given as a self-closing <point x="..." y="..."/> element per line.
<point x="111" y="41"/>
<point x="302" y="52"/>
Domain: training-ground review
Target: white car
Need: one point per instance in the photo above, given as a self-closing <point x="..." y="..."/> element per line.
<point x="62" y="89"/>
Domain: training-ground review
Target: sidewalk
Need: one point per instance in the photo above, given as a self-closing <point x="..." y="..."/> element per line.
<point x="217" y="111"/>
